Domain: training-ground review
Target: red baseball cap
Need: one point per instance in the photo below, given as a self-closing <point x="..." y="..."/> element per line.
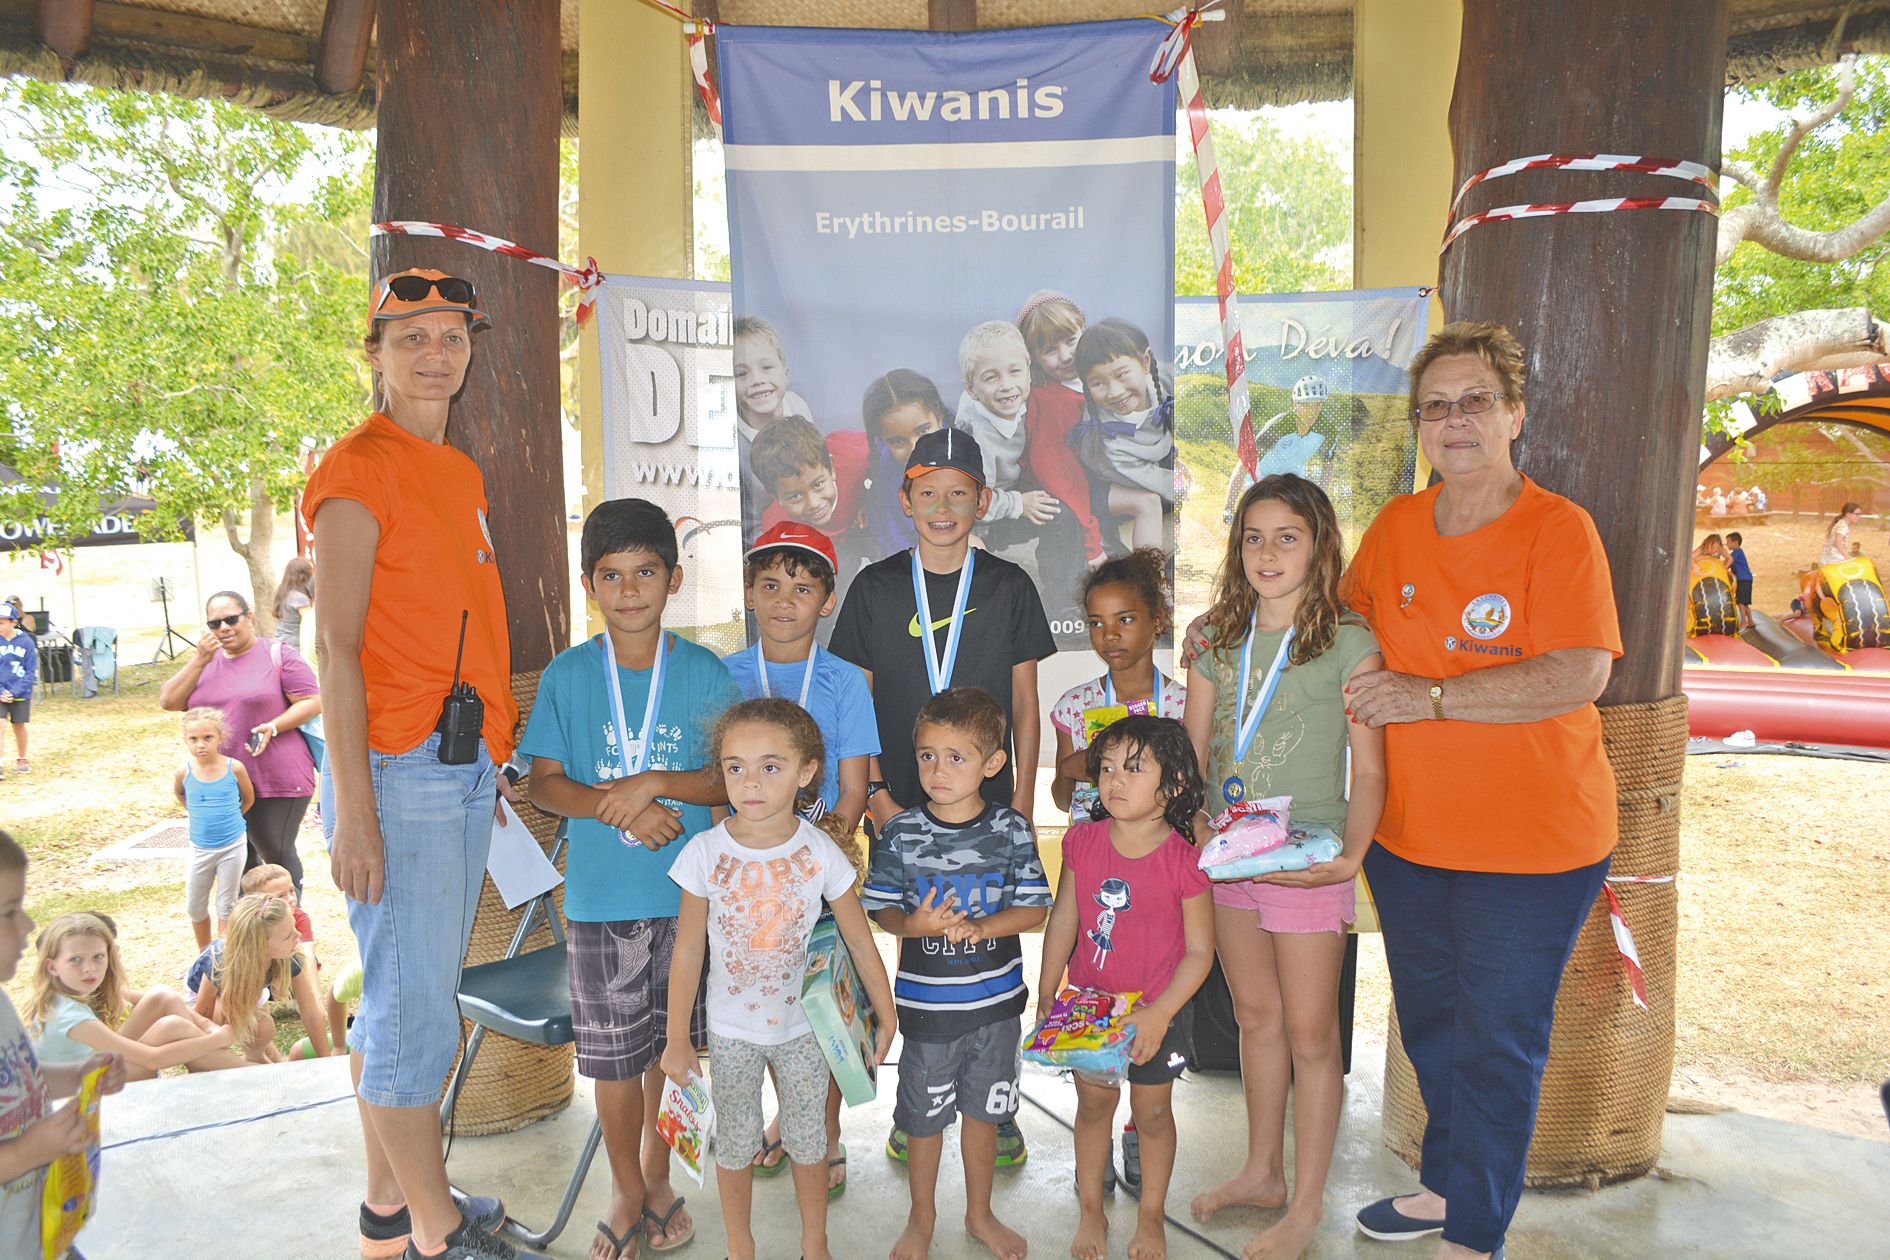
<point x="418" y="290"/>
<point x="795" y="534"/>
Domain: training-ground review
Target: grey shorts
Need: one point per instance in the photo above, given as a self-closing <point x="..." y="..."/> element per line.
<point x="620" y="996"/>
<point x="974" y="1075"/>
<point x="19" y="712"/>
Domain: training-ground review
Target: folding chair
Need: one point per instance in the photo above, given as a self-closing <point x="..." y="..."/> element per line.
<point x="98" y="656"/>
<point x="526" y="996"/>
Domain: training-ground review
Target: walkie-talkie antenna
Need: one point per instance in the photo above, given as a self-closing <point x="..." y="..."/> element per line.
<point x="459" y="651"/>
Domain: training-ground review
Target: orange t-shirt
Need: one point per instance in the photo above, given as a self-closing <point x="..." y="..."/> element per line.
<point x="435" y="558"/>
<point x="1525" y="797"/>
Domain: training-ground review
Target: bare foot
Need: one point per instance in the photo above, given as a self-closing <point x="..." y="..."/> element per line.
<point x="1241" y="1190"/>
<point x="1002" y="1241"/>
<point x="1092" y="1237"/>
<point x="912" y="1244"/>
<point x="1285" y="1241"/>
<point x="1150" y="1241"/>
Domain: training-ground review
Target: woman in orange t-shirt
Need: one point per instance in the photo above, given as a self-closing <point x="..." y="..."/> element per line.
<point x="411" y="606"/>
<point x="1492" y="603"/>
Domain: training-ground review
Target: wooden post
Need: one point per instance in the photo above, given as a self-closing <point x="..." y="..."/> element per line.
<point x="341" y="57"/>
<point x="65" y="26"/>
<point x="1613" y="308"/>
<point x="470" y="105"/>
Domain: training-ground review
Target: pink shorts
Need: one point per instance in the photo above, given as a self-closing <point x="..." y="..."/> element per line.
<point x="1326" y="909"/>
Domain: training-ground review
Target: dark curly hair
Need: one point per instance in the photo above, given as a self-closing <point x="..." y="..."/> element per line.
<point x="1163" y="739"/>
<point x="792" y="720"/>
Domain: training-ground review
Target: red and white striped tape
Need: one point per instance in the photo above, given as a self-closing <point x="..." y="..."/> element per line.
<point x="699" y="31"/>
<point x="1599" y="205"/>
<point x="1175" y="57"/>
<point x="1693" y="172"/>
<point x="586" y="278"/>
<point x="1624" y="937"/>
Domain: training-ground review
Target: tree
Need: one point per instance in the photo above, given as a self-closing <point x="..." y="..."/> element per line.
<point x="181" y="289"/>
<point x="1802" y="235"/>
<point x="1288" y="216"/>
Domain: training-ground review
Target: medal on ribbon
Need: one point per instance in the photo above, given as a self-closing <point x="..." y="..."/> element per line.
<point x="1246" y="722"/>
<point x="938" y="669"/>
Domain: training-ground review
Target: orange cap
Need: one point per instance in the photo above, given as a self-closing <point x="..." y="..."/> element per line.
<point x="389" y="305"/>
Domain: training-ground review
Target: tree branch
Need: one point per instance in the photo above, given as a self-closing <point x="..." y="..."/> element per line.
<point x="1740" y="173"/>
<point x="1802" y="127"/>
<point x="1765" y="227"/>
<point x="237" y="544"/>
<point x="1747" y="360"/>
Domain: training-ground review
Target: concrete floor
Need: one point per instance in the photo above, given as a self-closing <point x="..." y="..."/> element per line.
<point x="273" y="1182"/>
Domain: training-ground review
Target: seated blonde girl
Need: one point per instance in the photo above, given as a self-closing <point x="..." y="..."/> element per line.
<point x="80" y="1004"/>
<point x="258" y="958"/>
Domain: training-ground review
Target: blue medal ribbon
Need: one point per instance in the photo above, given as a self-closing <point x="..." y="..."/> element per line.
<point x="1247" y="724"/>
<point x="635" y="765"/>
<point x="939" y="672"/>
<point x="1155" y="697"/>
<point x="807" y="676"/>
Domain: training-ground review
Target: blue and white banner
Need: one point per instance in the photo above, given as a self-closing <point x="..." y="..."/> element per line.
<point x="1329" y="377"/>
<point x="897" y="200"/>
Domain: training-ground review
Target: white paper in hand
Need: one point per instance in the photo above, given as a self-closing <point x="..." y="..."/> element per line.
<point x="519" y="868"/>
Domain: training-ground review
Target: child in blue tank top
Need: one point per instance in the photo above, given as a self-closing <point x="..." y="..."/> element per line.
<point x="216" y="792"/>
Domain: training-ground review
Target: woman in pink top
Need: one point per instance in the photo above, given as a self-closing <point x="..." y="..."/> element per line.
<point x="265" y="690"/>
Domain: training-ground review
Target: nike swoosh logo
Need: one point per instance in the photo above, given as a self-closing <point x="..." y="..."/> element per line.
<point x="912" y="627"/>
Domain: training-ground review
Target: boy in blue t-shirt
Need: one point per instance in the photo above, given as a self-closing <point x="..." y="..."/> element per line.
<point x="619" y="741"/>
<point x="957" y="879"/>
<point x="789" y="576"/>
<point x="19" y="666"/>
<point x="1742" y="579"/>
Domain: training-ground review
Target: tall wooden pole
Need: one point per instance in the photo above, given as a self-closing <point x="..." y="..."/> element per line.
<point x="470" y="105"/>
<point x="1614" y="308"/>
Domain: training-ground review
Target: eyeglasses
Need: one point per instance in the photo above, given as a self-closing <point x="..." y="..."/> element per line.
<point x="1474" y="403"/>
<point x="217" y="623"/>
<point x="409" y="288"/>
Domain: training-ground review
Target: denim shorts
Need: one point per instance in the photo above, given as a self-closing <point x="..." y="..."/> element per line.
<point x="436" y="827"/>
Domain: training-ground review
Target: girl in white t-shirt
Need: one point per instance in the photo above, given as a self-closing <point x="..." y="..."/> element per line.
<point x="80" y="1005"/>
<point x="752" y="888"/>
<point x="1126" y="603"/>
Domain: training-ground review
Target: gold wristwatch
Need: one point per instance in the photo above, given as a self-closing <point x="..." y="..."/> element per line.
<point x="1437" y="700"/>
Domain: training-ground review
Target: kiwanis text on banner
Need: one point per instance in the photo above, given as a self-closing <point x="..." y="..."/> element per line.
<point x="970" y="229"/>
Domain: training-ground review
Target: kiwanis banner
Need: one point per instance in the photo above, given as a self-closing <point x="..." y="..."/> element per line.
<point x="974" y="229"/>
<point x="669" y="434"/>
<point x="1328" y="374"/>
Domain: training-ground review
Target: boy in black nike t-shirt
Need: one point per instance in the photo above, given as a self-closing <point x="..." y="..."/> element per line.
<point x="957" y="879"/>
<point x="1002" y="631"/>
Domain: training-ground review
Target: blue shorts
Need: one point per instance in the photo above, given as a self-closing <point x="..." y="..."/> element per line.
<point x="436" y="825"/>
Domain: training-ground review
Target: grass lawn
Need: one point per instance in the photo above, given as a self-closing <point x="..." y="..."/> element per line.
<point x="1784" y="971"/>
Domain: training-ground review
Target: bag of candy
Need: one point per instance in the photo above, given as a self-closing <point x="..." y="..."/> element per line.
<point x="1087" y="1030"/>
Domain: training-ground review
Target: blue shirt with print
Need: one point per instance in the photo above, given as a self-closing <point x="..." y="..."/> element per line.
<point x="606" y="877"/>
<point x="838" y="699"/>
<point x="19" y="662"/>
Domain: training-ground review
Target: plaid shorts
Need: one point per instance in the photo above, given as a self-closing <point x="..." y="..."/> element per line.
<point x="620" y="996"/>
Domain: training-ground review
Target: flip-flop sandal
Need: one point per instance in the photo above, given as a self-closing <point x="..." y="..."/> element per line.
<point x="761" y="1165"/>
<point x="661" y="1225"/>
<point x="619" y="1245"/>
<point x="834" y="1192"/>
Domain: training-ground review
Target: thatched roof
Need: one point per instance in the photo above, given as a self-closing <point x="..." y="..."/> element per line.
<point x="266" y="53"/>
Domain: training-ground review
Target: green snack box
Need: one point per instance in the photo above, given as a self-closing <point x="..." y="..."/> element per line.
<point x="841" y="1014"/>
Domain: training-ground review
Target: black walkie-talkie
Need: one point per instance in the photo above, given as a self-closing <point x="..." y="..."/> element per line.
<point x="463" y="714"/>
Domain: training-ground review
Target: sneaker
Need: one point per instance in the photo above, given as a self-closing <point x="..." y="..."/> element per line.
<point x="468" y="1242"/>
<point x="1382" y="1220"/>
<point x="1011" y="1148"/>
<point x="22" y="766"/>
<point x="383" y="1237"/>
<point x="896" y="1144"/>
<point x="1131" y="1158"/>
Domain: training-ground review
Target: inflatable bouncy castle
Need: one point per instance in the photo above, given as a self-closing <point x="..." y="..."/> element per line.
<point x="1849" y="607"/>
<point x="1710" y="599"/>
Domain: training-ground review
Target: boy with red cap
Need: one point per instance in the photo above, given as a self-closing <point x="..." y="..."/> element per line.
<point x="789" y="574"/>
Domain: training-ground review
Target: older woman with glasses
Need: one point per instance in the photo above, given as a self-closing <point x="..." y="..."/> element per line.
<point x="1492" y="603"/>
<point x="265" y="691"/>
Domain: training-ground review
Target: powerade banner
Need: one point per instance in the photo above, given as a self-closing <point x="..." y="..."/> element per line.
<point x="974" y="229"/>
<point x="669" y="434"/>
<point x="1329" y="378"/>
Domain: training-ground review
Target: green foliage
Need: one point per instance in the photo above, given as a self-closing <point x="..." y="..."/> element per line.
<point x="1838" y="173"/>
<point x="1289" y="212"/>
<point x="181" y="290"/>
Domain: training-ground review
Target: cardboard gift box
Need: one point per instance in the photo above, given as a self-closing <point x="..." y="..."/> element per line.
<point x="841" y="1013"/>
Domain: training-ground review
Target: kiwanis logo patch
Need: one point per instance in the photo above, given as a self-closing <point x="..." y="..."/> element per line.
<point x="1486" y="616"/>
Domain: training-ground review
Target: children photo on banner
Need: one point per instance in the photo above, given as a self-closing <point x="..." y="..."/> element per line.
<point x="1329" y="379"/>
<point x="969" y="229"/>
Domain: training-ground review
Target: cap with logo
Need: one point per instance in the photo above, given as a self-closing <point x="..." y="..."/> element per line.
<point x="418" y="290"/>
<point x="9" y="613"/>
<point x="794" y="534"/>
<point x="946" y="448"/>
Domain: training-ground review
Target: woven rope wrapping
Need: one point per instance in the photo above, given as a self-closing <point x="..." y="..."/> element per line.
<point x="1604" y="1093"/>
<point x="513" y="1083"/>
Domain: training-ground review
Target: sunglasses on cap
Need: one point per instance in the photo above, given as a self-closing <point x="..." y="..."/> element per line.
<point x="412" y="288"/>
<point x="217" y="623"/>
